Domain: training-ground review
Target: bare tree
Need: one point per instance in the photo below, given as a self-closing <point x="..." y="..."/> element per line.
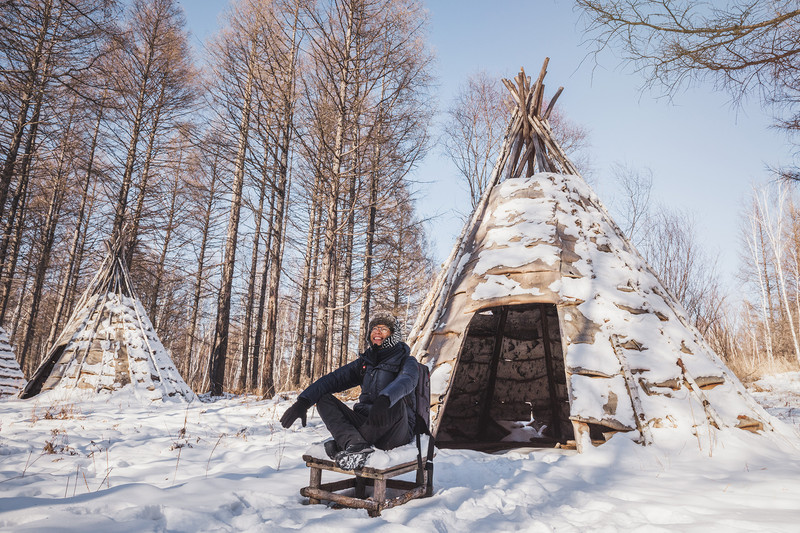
<point x="237" y="60"/>
<point x="368" y="76"/>
<point x="153" y="83"/>
<point x="44" y="46"/>
<point x="475" y="130"/>
<point x="47" y="51"/>
<point x="205" y="186"/>
<point x="756" y="260"/>
<point x="636" y="185"/>
<point x="774" y="230"/>
<point x="741" y="46"/>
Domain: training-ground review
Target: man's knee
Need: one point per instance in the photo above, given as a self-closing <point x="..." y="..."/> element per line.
<point x="327" y="404"/>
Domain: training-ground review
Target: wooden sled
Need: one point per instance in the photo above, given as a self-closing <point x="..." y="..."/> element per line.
<point x="379" y="479"/>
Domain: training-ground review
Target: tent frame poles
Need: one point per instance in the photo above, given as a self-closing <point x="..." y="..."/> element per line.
<point x="486" y="408"/>
<point x="528" y="126"/>
<point x="433" y="304"/>
<point x="555" y="411"/>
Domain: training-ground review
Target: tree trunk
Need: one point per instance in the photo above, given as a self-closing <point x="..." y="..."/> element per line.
<point x="262" y="297"/>
<point x="48" y="237"/>
<point x="72" y="267"/>
<point x="27" y="366"/>
<point x="276" y="262"/>
<point x="279" y="220"/>
<point x="198" y="286"/>
<point x="127" y="174"/>
<point x="308" y="363"/>
<point x="322" y="333"/>
<point x="251" y="287"/>
<point x="33" y="91"/>
<point x="347" y="274"/>
<point x="300" y="335"/>
<point x="168" y="229"/>
<point x="148" y="161"/>
<point x="18" y="208"/>
<point x="366" y="284"/>
<point x="220" y="346"/>
<point x="18" y="222"/>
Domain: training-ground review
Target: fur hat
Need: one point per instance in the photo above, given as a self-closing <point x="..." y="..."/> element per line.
<point x="390" y="322"/>
<point x="383" y="320"/>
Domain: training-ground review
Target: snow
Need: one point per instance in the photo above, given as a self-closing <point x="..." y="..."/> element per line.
<point x="496" y="286"/>
<point x="440" y="378"/>
<point x="124" y="464"/>
<point x="12" y="381"/>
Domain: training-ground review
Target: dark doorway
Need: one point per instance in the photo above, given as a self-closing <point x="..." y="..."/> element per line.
<point x="509" y="389"/>
<point x="39" y="378"/>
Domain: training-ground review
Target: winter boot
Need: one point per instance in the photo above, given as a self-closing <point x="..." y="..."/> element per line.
<point x="331" y="448"/>
<point x="354" y="457"/>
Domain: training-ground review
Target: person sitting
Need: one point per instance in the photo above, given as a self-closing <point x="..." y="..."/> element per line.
<point x="381" y="418"/>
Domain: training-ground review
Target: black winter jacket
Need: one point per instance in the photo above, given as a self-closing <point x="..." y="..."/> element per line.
<point x="391" y="372"/>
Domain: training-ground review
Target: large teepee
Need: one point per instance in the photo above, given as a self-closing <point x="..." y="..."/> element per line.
<point x="546" y="326"/>
<point x="12" y="380"/>
<point x="109" y="343"/>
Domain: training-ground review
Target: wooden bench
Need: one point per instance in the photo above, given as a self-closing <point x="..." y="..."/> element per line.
<point x="379" y="479"/>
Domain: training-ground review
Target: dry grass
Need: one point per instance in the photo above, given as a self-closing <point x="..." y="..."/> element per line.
<point x="749" y="371"/>
<point x="67" y="411"/>
<point x="58" y="444"/>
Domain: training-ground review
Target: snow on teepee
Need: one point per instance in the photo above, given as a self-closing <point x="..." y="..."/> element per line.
<point x="12" y="380"/>
<point x="546" y="327"/>
<point x="109" y="343"/>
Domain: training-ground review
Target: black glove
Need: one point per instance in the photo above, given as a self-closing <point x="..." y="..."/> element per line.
<point x="297" y="410"/>
<point x="379" y="414"/>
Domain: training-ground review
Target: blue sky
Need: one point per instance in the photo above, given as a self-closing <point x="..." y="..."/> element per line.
<point x="704" y="154"/>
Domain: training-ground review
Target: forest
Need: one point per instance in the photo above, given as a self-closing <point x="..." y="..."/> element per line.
<point x="266" y="192"/>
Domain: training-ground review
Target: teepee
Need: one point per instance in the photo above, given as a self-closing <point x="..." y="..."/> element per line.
<point x="547" y="328"/>
<point x="12" y="380"/>
<point x="109" y="343"/>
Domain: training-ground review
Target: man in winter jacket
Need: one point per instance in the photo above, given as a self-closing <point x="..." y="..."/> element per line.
<point x="381" y="418"/>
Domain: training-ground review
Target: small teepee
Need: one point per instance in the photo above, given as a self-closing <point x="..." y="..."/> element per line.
<point x="109" y="343"/>
<point x="12" y="380"/>
<point x="547" y="328"/>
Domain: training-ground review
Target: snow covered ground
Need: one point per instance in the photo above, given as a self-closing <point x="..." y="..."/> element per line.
<point x="111" y="464"/>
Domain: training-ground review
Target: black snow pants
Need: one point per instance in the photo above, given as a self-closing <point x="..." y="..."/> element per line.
<point x="349" y="427"/>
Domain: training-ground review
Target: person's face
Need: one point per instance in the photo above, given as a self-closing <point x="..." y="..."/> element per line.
<point x="379" y="334"/>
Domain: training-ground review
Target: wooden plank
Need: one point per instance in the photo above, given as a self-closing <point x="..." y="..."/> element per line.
<point x="525" y="159"/>
<point x="342" y="484"/>
<point x="401" y="484"/>
<point x="316" y="463"/>
<point x="583" y="441"/>
<point x="633" y="392"/>
<point x="379" y="491"/>
<point x="316" y="494"/>
<point x="513" y="91"/>
<point x="699" y="395"/>
<point x="515" y="155"/>
<point x="314" y="482"/>
<point x="418" y="492"/>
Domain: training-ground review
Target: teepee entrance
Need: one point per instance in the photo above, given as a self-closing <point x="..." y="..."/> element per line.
<point x="510" y="385"/>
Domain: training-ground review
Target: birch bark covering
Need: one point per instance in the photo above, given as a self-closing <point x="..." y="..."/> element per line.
<point x="11" y="379"/>
<point x="628" y="356"/>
